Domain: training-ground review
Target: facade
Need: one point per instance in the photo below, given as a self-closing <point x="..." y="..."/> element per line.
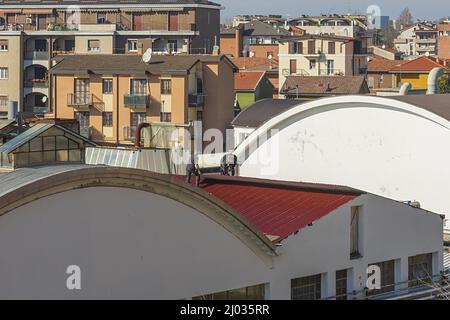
<point x="444" y="40"/>
<point x="379" y="75"/>
<point x="320" y="55"/>
<point x="34" y="33"/>
<point x="337" y="25"/>
<point x="415" y="72"/>
<point x="251" y="86"/>
<point x="295" y="251"/>
<point x="418" y="40"/>
<point x="111" y="95"/>
<point x="382" y="145"/>
<point x="253" y="39"/>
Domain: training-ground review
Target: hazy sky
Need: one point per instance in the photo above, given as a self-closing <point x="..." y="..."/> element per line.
<point x="421" y="9"/>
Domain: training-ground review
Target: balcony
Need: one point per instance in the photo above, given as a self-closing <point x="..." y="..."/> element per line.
<point x="331" y="72"/>
<point x="36" y="83"/>
<point x="298" y="72"/>
<point x="133" y="101"/>
<point x="129" y="133"/>
<point x="36" y="55"/>
<point x="80" y="100"/>
<point x="196" y="99"/>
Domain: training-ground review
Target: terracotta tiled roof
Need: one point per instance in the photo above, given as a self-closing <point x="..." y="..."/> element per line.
<point x="424" y="64"/>
<point x="324" y="85"/>
<point x="378" y="64"/>
<point x="247" y="80"/>
<point x="256" y="63"/>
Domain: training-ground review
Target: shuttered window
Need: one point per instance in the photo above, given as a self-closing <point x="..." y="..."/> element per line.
<point x="3" y="45"/>
<point x="93" y="45"/>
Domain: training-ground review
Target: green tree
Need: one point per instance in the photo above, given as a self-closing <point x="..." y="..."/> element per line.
<point x="444" y="84"/>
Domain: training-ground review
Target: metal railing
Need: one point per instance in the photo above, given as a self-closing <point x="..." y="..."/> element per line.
<point x="196" y="99"/>
<point x="298" y="72"/>
<point x="331" y="72"/>
<point x="36" y="83"/>
<point x="81" y="99"/>
<point x="129" y="133"/>
<point x="36" y="55"/>
<point x="136" y="101"/>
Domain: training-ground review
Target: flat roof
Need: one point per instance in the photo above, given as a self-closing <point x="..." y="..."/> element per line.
<point x="438" y="104"/>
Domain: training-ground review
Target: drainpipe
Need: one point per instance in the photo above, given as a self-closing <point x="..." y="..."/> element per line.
<point x="404" y="89"/>
<point x="433" y="80"/>
<point x="137" y="134"/>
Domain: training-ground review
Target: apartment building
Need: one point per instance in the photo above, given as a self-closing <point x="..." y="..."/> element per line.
<point x="444" y="40"/>
<point x="32" y="33"/>
<point x="418" y="40"/>
<point x="110" y="95"/>
<point x="252" y="39"/>
<point x="322" y="55"/>
<point x="339" y="25"/>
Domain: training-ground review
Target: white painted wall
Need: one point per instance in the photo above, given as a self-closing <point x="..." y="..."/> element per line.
<point x="132" y="244"/>
<point x="381" y="146"/>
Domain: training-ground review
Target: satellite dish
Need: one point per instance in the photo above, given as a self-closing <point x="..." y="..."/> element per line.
<point x="44" y="99"/>
<point x="147" y="56"/>
<point x="427" y="54"/>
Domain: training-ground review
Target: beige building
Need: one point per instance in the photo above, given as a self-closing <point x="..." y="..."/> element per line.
<point x="322" y="55"/>
<point x="32" y="33"/>
<point x="110" y="95"/>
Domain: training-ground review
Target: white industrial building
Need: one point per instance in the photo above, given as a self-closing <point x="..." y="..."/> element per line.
<point x="95" y="232"/>
<point x="392" y="147"/>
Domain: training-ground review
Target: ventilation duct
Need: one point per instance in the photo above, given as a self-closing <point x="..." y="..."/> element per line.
<point x="433" y="78"/>
<point x="404" y="89"/>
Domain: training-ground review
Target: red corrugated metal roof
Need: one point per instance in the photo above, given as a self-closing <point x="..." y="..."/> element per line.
<point x="278" y="209"/>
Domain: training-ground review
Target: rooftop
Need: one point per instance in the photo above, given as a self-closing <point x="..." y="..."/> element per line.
<point x="256" y="63"/>
<point x="263" y="110"/>
<point x="378" y="64"/>
<point x="257" y="28"/>
<point x="323" y="85"/>
<point x="96" y="3"/>
<point x="278" y="209"/>
<point x="319" y="37"/>
<point x="247" y="80"/>
<point x="421" y="64"/>
<point x="130" y="64"/>
<point x="438" y="104"/>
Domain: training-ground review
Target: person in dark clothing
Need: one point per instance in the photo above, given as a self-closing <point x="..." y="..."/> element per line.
<point x="193" y="169"/>
<point x="228" y="164"/>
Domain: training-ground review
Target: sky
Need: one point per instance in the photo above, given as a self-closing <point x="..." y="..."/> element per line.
<point x="420" y="9"/>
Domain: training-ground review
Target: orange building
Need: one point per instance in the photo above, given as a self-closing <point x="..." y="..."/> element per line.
<point x="444" y="40"/>
<point x="110" y="95"/>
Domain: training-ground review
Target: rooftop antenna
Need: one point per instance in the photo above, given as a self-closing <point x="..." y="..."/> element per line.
<point x="147" y="56"/>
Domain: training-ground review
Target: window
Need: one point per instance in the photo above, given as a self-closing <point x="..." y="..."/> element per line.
<point x="3" y="73"/>
<point x="249" y="293"/>
<point x="307" y="288"/>
<point x="107" y="119"/>
<point x="354" y="233"/>
<point x="136" y="119"/>
<point x="132" y="45"/>
<point x="331" y="47"/>
<point x="199" y="115"/>
<point x="382" y="78"/>
<point x="341" y="285"/>
<point x="420" y="269"/>
<point x="83" y="120"/>
<point x="311" y="46"/>
<point x="93" y="45"/>
<point x="3" y="101"/>
<point x="138" y="87"/>
<point x="312" y="64"/>
<point x="172" y="45"/>
<point x="40" y="45"/>
<point x="3" y="45"/>
<point x="101" y="18"/>
<point x="330" y="67"/>
<point x="107" y="86"/>
<point x="166" y="117"/>
<point x="166" y="86"/>
<point x="387" y="269"/>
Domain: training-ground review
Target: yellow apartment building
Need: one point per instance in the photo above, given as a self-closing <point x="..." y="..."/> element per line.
<point x="322" y="55"/>
<point x="110" y="95"/>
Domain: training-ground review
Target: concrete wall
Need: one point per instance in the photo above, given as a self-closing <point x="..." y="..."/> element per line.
<point x="133" y="244"/>
<point x="396" y="152"/>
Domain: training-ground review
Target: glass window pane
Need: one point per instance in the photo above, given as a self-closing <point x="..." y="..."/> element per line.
<point x="62" y="155"/>
<point x="49" y="156"/>
<point x="21" y="159"/>
<point x="75" y="155"/>
<point x="36" y="157"/>
<point x="62" y="143"/>
<point x="36" y="144"/>
<point x="49" y="143"/>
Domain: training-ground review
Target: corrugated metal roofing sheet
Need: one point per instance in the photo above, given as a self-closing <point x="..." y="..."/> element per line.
<point x="279" y="209"/>
<point x="24" y="137"/>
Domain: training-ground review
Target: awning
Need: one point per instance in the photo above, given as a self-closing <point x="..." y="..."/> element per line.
<point x="38" y="11"/>
<point x="5" y="11"/>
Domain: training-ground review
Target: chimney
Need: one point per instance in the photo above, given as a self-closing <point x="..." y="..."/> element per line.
<point x="239" y="39"/>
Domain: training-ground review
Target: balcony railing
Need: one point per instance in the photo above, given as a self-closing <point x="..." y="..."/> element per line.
<point x="36" y="83"/>
<point x="136" y="101"/>
<point x="11" y="27"/>
<point x="129" y="133"/>
<point x="36" y="55"/>
<point x="331" y="72"/>
<point x="84" y="99"/>
<point x="196" y="99"/>
<point x="298" y="72"/>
